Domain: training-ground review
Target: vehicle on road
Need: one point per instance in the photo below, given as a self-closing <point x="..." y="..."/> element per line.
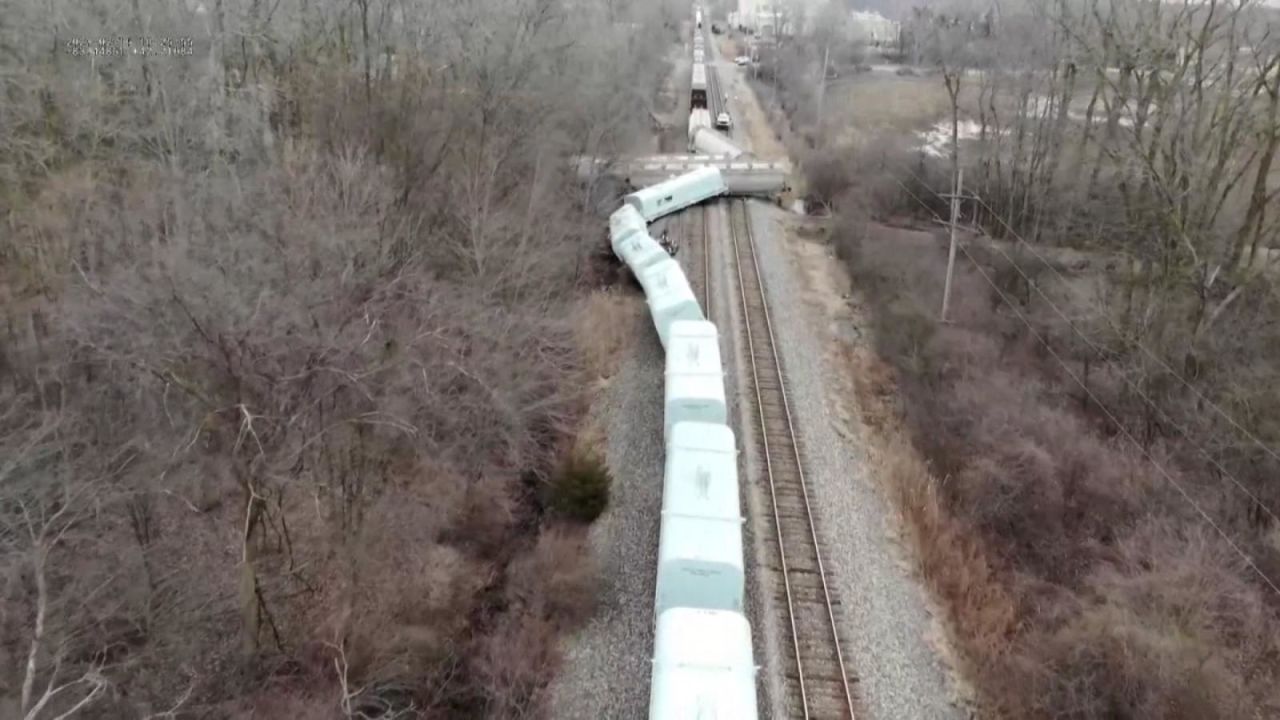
<point x="723" y="121"/>
<point x="742" y="60"/>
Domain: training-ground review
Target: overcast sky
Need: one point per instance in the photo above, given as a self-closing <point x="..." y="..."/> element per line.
<point x="896" y="9"/>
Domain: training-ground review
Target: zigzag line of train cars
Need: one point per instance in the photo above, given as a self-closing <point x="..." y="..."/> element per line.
<point x="703" y="665"/>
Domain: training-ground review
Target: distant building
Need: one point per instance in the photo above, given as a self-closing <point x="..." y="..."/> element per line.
<point x="873" y="28"/>
<point x="761" y="16"/>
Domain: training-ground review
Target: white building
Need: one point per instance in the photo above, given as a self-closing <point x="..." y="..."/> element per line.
<point x="760" y="16"/>
<point x="873" y="28"/>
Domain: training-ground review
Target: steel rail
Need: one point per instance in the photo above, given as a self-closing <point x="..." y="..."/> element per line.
<point x="706" y="264"/>
<point x="801" y="649"/>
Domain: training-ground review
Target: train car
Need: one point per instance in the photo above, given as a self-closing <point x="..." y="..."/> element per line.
<point x="699" y="118"/>
<point x="669" y="297"/>
<point x="707" y="141"/>
<point x="703" y="666"/>
<point x="640" y="251"/>
<point x="623" y="223"/>
<point x="697" y="18"/>
<point x="700" y="560"/>
<point x="694" y="376"/>
<point x="698" y="87"/>
<point x="755" y="177"/>
<point x="699" y="55"/>
<point x="676" y="193"/>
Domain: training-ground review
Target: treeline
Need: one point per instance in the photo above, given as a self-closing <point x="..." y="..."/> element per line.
<point x="288" y="365"/>
<point x="1099" y="420"/>
<point x="1146" y="135"/>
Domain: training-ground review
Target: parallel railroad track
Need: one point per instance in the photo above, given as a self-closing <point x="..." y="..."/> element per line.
<point x="701" y="212"/>
<point x="820" y="686"/>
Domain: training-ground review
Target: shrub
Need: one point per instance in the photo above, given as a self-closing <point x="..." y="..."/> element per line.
<point x="556" y="579"/>
<point x="581" y="490"/>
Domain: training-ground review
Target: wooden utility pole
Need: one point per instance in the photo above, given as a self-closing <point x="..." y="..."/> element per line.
<point x="822" y="85"/>
<point x="951" y="255"/>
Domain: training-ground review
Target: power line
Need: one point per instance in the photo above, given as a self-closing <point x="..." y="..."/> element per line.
<point x="1121" y="427"/>
<point x="1115" y="421"/>
<point x="1144" y="348"/>
<point x="1163" y="413"/>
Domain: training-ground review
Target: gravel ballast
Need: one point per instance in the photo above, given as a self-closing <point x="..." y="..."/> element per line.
<point x="887" y="625"/>
<point x="606" y="668"/>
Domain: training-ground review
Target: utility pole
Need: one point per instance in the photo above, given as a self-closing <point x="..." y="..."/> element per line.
<point x="951" y="255"/>
<point x="822" y="86"/>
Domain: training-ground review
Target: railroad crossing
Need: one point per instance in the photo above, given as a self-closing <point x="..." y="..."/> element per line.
<point x="742" y="177"/>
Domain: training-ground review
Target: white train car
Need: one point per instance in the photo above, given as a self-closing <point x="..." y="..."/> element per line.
<point x="700" y="560"/>
<point x="699" y="55"/>
<point x="677" y="193"/>
<point x="707" y="141"/>
<point x="669" y="297"/>
<point x="703" y="667"/>
<point x="623" y="223"/>
<point x="694" y="375"/>
<point x="640" y="251"/>
<point x="697" y="18"/>
<point x="699" y="118"/>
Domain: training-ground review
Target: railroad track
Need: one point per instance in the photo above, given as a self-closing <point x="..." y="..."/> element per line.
<point x="695" y="241"/>
<point x="701" y="212"/>
<point x="820" y="685"/>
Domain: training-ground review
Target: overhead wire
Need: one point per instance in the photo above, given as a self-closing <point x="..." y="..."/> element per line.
<point x="1083" y="386"/>
<point x="1160" y="361"/>
<point x="1093" y="346"/>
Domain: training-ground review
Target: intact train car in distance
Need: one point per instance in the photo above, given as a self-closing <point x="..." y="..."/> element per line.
<point x="700" y="561"/>
<point x="698" y="87"/>
<point x="677" y="193"/>
<point x="699" y="118"/>
<point x="669" y="297"/>
<point x="694" y="375"/>
<point x="706" y="141"/>
<point x="702" y="667"/>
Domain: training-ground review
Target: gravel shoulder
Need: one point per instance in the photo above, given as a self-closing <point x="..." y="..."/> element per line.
<point x="606" y="666"/>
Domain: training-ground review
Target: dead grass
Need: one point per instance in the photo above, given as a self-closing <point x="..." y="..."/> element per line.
<point x="605" y="326"/>
<point x="876" y="102"/>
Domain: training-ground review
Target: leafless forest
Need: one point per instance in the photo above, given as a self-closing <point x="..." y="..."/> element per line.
<point x="1090" y="465"/>
<point x="288" y="372"/>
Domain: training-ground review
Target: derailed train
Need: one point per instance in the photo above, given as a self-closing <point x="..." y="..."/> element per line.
<point x="703" y="664"/>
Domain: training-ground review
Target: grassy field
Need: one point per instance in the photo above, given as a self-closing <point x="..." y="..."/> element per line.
<point x="878" y="103"/>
